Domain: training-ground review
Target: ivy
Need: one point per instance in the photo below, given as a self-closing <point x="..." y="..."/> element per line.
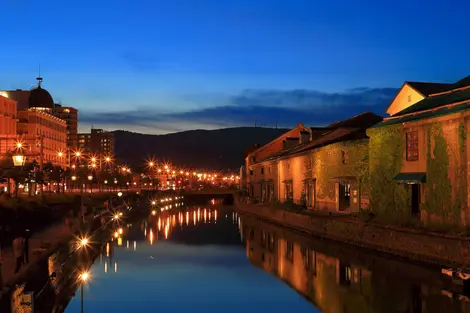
<point x="439" y="194"/>
<point x="328" y="164"/>
<point x="386" y="151"/>
<point x="462" y="137"/>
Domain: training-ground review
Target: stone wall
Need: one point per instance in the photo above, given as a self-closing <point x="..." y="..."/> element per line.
<point x="445" y="250"/>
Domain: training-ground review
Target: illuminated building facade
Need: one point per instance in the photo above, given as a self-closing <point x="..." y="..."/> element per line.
<point x="70" y="116"/>
<point x="7" y="124"/>
<point x="36" y="129"/>
<point x="40" y="98"/>
<point x="98" y="141"/>
<point x="42" y="135"/>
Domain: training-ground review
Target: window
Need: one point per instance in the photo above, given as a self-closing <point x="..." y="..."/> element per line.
<point x="262" y="171"/>
<point x="263" y="238"/>
<point x="344" y="157"/>
<point x="269" y="169"/>
<point x="289" y="251"/>
<point x="251" y="172"/>
<point x="345" y="274"/>
<point x="347" y="191"/>
<point x="412" y="149"/>
<point x="306" y="257"/>
<point x="288" y="166"/>
<point x="289" y="191"/>
<point x="271" y="242"/>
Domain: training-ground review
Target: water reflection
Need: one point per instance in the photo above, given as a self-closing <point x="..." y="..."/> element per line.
<point x="343" y="279"/>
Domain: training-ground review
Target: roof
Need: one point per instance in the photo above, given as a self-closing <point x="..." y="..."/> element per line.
<point x="334" y="136"/>
<point x="427" y="89"/>
<point x="365" y="119"/>
<point x="40" y="98"/>
<point x="410" y="178"/>
<point x="424" y="115"/>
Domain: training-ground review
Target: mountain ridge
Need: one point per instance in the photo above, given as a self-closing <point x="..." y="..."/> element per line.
<point x="218" y="149"/>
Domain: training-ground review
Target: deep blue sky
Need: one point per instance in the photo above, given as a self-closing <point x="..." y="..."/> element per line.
<point x="161" y="66"/>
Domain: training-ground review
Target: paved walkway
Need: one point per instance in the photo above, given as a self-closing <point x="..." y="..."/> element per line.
<point x="39" y="243"/>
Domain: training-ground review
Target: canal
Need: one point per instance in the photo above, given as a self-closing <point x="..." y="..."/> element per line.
<point x="208" y="258"/>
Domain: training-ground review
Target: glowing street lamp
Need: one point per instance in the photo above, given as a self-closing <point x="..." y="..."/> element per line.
<point x="83" y="279"/>
<point x="60" y="154"/>
<point x="18" y="159"/>
<point x="90" y="177"/>
<point x="74" y="177"/>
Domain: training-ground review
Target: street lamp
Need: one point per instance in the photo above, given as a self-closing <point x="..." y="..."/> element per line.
<point x="18" y="159"/>
<point x="90" y="178"/>
<point x="120" y="196"/>
<point x="83" y="278"/>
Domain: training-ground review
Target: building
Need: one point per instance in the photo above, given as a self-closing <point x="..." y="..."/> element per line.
<point x="8" y="120"/>
<point x="324" y="168"/>
<point x="97" y="142"/>
<point x="258" y="153"/>
<point x="39" y="98"/>
<point x="412" y="92"/>
<point x="419" y="159"/>
<point x="70" y="116"/>
<point x="43" y="136"/>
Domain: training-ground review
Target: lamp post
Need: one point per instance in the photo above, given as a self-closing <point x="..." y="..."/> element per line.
<point x="83" y="278"/>
<point x="90" y="178"/>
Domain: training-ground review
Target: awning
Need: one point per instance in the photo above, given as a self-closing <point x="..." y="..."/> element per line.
<point x="411" y="178"/>
<point x="344" y="179"/>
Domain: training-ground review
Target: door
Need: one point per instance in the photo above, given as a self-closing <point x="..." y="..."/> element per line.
<point x="415" y="199"/>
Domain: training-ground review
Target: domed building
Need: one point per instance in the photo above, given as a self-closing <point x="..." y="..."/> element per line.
<point x="40" y="98"/>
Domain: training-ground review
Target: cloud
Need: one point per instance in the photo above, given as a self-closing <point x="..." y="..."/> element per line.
<point x="265" y="107"/>
<point x="139" y="61"/>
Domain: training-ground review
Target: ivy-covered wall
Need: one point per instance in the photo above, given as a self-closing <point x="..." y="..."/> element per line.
<point x="446" y="177"/>
<point x="386" y="152"/>
<point x="328" y="164"/>
<point x="444" y="195"/>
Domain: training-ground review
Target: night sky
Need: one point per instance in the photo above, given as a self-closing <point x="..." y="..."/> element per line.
<point x="163" y="66"/>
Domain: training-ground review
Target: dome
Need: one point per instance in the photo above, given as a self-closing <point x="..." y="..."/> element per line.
<point x="40" y="98"/>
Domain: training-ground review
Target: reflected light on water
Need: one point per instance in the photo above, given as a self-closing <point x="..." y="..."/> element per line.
<point x="107" y="249"/>
<point x="187" y="218"/>
<point x="194" y="217"/>
<point x="205" y="215"/>
<point x="135" y="245"/>
<point x="167" y="229"/>
<point x="127" y="244"/>
<point x="151" y="236"/>
<point x="159" y="224"/>
<point x="119" y="241"/>
<point x="106" y="266"/>
<point x="115" y="267"/>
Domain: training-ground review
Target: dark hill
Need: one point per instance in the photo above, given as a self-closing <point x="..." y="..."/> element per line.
<point x="219" y="149"/>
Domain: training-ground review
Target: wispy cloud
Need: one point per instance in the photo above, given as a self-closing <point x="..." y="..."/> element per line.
<point x="265" y="107"/>
<point x="139" y="61"/>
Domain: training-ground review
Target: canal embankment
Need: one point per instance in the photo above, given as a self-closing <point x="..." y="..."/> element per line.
<point x="414" y="244"/>
<point x="53" y="250"/>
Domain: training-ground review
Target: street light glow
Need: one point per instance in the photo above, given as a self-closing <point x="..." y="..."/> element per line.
<point x="84" y="276"/>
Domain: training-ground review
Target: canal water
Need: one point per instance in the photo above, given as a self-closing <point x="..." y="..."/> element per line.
<point x="210" y="259"/>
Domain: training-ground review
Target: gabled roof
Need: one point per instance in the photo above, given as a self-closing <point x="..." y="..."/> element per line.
<point x="363" y="120"/>
<point x="426" y="89"/>
<point x="436" y="101"/>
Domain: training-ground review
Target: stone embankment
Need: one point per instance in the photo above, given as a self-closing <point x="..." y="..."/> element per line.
<point x="439" y="249"/>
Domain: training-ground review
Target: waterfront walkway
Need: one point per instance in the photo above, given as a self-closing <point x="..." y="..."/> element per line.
<point x="39" y="243"/>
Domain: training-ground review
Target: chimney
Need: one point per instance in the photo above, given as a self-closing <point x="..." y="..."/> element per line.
<point x="290" y="142"/>
<point x="304" y="137"/>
